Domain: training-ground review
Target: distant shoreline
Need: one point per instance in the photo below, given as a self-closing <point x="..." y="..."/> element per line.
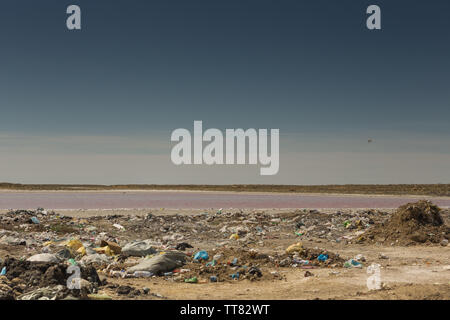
<point x="416" y="190"/>
<point x="366" y="195"/>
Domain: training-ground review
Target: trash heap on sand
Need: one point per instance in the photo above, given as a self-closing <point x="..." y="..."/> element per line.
<point x="412" y="223"/>
<point x="38" y="246"/>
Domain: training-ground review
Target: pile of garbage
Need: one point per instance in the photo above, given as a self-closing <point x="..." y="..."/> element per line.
<point x="38" y="278"/>
<point x="413" y="223"/>
<point x="200" y="267"/>
<point x="38" y="246"/>
<point x="226" y="264"/>
<point x="313" y="257"/>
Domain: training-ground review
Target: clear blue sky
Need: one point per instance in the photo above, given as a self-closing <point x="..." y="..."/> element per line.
<point x="98" y="105"/>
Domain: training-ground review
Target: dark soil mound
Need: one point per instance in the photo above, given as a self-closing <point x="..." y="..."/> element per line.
<point x="34" y="274"/>
<point x="412" y="223"/>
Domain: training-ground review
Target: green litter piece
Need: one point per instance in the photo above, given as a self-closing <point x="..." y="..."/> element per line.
<point x="191" y="280"/>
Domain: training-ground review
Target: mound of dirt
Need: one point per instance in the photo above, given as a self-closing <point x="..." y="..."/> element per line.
<point x="412" y="223"/>
<point x="28" y="276"/>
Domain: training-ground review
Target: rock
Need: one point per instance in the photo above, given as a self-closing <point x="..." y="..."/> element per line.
<point x="44" y="257"/>
<point x="160" y="263"/>
<point x="139" y="248"/>
<point x="444" y="242"/>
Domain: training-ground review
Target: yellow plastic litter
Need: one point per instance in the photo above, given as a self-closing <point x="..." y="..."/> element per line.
<point x="297" y="247"/>
<point x="106" y="250"/>
<point x="48" y="243"/>
<point x="234" y="236"/>
<point x="82" y="250"/>
<point x="74" y="244"/>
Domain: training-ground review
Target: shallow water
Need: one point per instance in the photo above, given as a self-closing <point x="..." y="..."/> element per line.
<point x="196" y="200"/>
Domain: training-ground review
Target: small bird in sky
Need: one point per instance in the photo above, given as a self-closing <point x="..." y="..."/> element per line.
<point x="369" y="140"/>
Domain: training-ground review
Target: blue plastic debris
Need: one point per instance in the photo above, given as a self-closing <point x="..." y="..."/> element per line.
<point x="201" y="255"/>
<point x="355" y="263"/>
<point x="35" y="220"/>
<point x="322" y="257"/>
<point x="235" y="276"/>
<point x="3" y="272"/>
<point x="352" y="264"/>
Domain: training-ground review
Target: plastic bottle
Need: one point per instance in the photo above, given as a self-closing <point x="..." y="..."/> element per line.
<point x="142" y="274"/>
<point x="118" y="274"/>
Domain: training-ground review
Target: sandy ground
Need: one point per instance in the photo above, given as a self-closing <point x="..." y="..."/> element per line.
<point x="409" y="273"/>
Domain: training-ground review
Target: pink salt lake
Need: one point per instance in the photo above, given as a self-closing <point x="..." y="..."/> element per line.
<point x="198" y="200"/>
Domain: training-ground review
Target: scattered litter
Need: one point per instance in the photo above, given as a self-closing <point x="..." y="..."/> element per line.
<point x="352" y="264"/>
<point x="322" y="257"/>
<point x="44" y="257"/>
<point x="118" y="226"/>
<point x="35" y="220"/>
<point x="234" y="236"/>
<point x="201" y="255"/>
<point x="191" y="280"/>
<point x="139" y="248"/>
